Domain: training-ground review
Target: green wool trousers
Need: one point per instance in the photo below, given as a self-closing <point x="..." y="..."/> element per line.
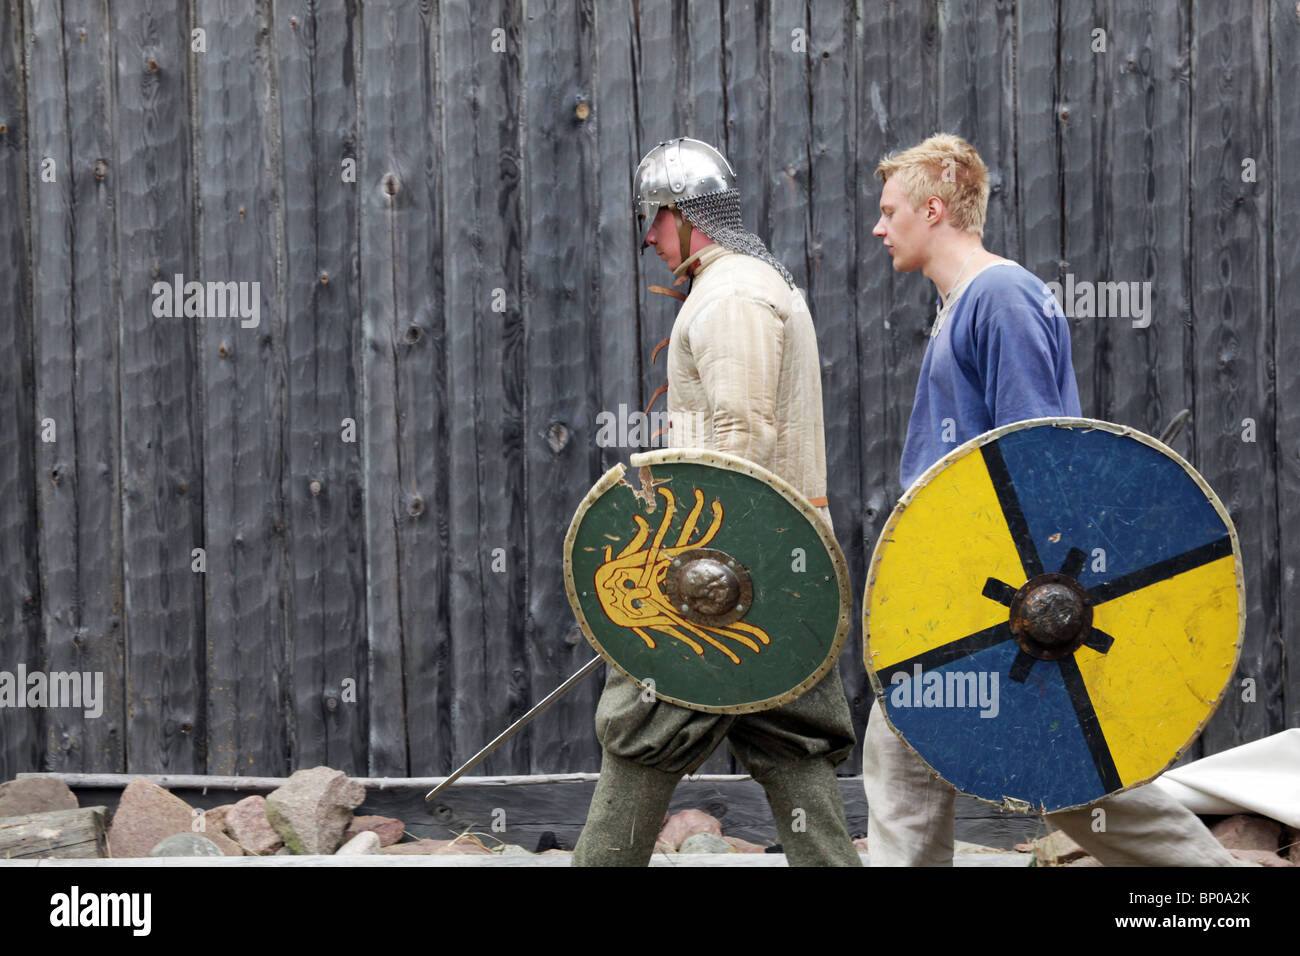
<point x="791" y="751"/>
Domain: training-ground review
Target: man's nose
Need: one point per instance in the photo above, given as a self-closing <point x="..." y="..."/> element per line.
<point x="879" y="230"/>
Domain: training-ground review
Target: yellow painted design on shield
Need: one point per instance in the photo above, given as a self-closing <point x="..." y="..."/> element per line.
<point x="955" y="540"/>
<point x="1167" y="630"/>
<point x="630" y="586"/>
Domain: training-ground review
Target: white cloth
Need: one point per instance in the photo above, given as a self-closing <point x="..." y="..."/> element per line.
<point x="1261" y="777"/>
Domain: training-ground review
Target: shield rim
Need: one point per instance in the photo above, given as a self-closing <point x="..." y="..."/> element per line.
<point x="728" y="462"/>
<point x="967" y="448"/>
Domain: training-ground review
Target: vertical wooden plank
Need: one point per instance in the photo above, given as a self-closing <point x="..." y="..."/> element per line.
<point x="407" y="496"/>
<point x="1285" y="290"/>
<point x="660" y="115"/>
<point x="895" y="50"/>
<point x="160" y="423"/>
<point x="905" y="98"/>
<point x="832" y="294"/>
<point x="1148" y="150"/>
<point x="788" y="135"/>
<point x="707" y="117"/>
<point x="1039" y="226"/>
<point x="746" y="75"/>
<point x="21" y="729"/>
<point x="561" y="456"/>
<point x="95" y="289"/>
<point x="977" y="102"/>
<point x="52" y="175"/>
<point x="242" y="354"/>
<point x="481" y="56"/>
<point x="1087" y="210"/>
<point x="75" y="366"/>
<point x="316" y="50"/>
<point x="1234" y="335"/>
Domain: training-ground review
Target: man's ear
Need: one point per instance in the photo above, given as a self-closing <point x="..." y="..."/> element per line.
<point x="934" y="211"/>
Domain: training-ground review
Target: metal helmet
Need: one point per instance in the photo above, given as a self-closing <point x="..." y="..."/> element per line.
<point x="696" y="181"/>
<point x="678" y="169"/>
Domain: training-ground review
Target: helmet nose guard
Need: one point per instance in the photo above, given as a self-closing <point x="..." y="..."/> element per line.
<point x="677" y="169"/>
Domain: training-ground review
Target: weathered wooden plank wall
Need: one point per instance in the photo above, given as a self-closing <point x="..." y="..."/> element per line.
<point x="433" y="201"/>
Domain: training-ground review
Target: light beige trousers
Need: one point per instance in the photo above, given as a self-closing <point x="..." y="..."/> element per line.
<point x="910" y="816"/>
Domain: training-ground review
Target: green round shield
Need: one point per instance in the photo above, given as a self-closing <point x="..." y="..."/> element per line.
<point x="709" y="580"/>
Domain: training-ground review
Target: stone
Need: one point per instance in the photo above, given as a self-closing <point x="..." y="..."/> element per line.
<point x="743" y="846"/>
<point x="1261" y="857"/>
<point x="705" y="842"/>
<point x="1291" y="844"/>
<point x="511" y="849"/>
<point x="685" y="824"/>
<point x="365" y="843"/>
<point x="247" y="824"/>
<point x="461" y="845"/>
<point x="1055" y="849"/>
<point x="1246" y="831"/>
<point x="146" y="813"/>
<point x="414" y="847"/>
<point x="185" y="844"/>
<point x="214" y="820"/>
<point x="861" y="844"/>
<point x="311" y="812"/>
<point x="283" y="851"/>
<point x="389" y="829"/>
<point x="18" y="798"/>
<point x="961" y="846"/>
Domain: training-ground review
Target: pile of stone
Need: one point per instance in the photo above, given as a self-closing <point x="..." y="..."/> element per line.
<point x="1249" y="838"/>
<point x="312" y="813"/>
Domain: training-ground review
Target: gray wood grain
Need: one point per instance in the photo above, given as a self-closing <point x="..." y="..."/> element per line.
<point x="1039" y="222"/>
<point x="98" y="647"/>
<point x="1284" y="293"/>
<point x="322" y="483"/>
<point x="1086" y="202"/>
<point x="1147" y="181"/>
<point x="54" y="344"/>
<point x="22" y="743"/>
<point x="161" y="424"/>
<point x="480" y="170"/>
<point x="1234" y="334"/>
<point x="560" y="453"/>
<point x="486" y="373"/>
<point x="240" y="232"/>
<point x="395" y="193"/>
<point x="873" y="282"/>
<point x="833" y="253"/>
<point x="60" y="834"/>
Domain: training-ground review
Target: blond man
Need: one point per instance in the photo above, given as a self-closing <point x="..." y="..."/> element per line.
<point x="999" y="352"/>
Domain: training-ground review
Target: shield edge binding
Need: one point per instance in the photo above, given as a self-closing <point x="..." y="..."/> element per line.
<point x="728" y="462"/>
<point x="967" y="448"/>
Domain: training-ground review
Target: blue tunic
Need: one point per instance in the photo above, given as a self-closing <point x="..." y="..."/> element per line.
<point x="1001" y="355"/>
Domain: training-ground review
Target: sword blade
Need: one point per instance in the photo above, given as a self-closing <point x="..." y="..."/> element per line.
<point x="517" y="726"/>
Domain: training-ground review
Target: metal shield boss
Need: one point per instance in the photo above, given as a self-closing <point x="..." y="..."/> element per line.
<point x="707" y="579"/>
<point x="1053" y="612"/>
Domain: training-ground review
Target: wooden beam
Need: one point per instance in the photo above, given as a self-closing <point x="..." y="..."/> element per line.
<point x="79" y="833"/>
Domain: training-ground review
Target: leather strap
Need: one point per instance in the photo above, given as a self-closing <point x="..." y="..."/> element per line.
<point x="658" y="348"/>
<point x="655" y="397"/>
<point x="683" y="233"/>
<point x="672" y="292"/>
<point x="821" y="502"/>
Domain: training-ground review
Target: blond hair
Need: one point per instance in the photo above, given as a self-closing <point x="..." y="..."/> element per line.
<point x="948" y="167"/>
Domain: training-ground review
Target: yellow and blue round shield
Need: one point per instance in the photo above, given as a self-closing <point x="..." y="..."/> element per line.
<point x="1053" y="612"/>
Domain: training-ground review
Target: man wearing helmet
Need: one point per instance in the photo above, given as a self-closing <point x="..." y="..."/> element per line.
<point x="743" y="377"/>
